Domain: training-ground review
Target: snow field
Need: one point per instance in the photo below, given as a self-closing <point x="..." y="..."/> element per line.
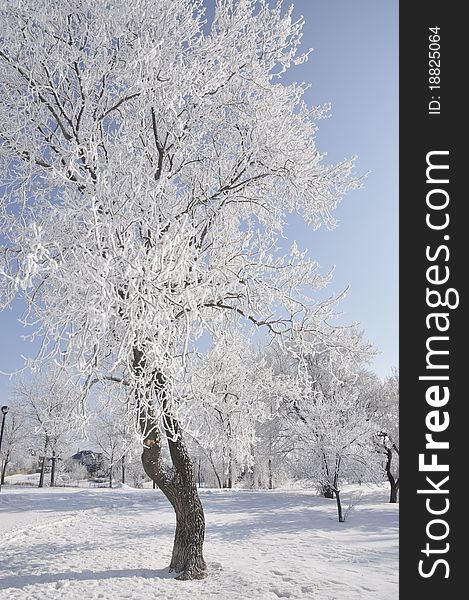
<point x="101" y="544"/>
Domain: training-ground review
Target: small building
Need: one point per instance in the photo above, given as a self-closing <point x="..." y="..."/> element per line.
<point x="92" y="461"/>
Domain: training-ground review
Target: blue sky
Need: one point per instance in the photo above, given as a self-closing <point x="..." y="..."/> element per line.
<point x="355" y="67"/>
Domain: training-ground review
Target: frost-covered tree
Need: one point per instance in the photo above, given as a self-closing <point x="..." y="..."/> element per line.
<point x="111" y="430"/>
<point x="150" y="162"/>
<point x="229" y="386"/>
<point x="337" y="437"/>
<point x="324" y="428"/>
<point x="14" y="435"/>
<point x="320" y="375"/>
<point x="386" y="415"/>
<point x="48" y="401"/>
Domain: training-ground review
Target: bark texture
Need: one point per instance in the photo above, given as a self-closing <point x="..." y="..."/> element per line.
<point x="179" y="485"/>
<point x="177" y="482"/>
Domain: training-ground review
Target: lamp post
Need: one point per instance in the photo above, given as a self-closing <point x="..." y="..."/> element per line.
<point x="4" y="409"/>
<point x="52" y="470"/>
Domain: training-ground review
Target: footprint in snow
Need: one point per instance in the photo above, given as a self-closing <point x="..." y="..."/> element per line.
<point x="281" y="593"/>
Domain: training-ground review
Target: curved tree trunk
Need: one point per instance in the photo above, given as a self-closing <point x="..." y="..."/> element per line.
<point x="220" y="484"/>
<point x="335" y="488"/>
<point x="209" y="457"/>
<point x="179" y="485"/>
<point x="177" y="482"/>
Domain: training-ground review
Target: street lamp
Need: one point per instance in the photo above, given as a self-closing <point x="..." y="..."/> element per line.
<point x="4" y="409"/>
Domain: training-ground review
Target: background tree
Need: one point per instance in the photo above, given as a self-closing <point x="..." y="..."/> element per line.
<point x="229" y="387"/>
<point x="387" y="436"/>
<point x="150" y="163"/>
<point x="48" y="401"/>
<point x="112" y="432"/>
<point x="338" y="439"/>
<point x="14" y="435"/>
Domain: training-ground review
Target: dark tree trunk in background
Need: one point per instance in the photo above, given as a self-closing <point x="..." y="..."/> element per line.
<point x="393" y="482"/>
<point x="394" y="495"/>
<point x="178" y="483"/>
<point x="210" y="459"/>
<point x="339" y="506"/>
<point x="327" y="488"/>
<point x="220" y="485"/>
<point x="123" y="468"/>
<point x="110" y="475"/>
<point x="271" y="486"/>
<point x="43" y="464"/>
<point x="335" y="488"/>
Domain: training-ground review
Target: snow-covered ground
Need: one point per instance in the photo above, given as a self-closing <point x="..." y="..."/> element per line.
<point x="115" y="544"/>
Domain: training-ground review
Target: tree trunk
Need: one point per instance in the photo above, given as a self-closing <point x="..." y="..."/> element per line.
<point x="271" y="485"/>
<point x="394" y="494"/>
<point x="327" y="491"/>
<point x="212" y="464"/>
<point x="110" y="475"/>
<point x="180" y="487"/>
<point x="43" y="465"/>
<point x="123" y="468"/>
<point x="335" y="487"/>
<point x="178" y="483"/>
<point x="220" y="485"/>
<point x="393" y="482"/>
<point x="327" y="488"/>
<point x="339" y="506"/>
<point x="187" y="557"/>
<point x="210" y="460"/>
